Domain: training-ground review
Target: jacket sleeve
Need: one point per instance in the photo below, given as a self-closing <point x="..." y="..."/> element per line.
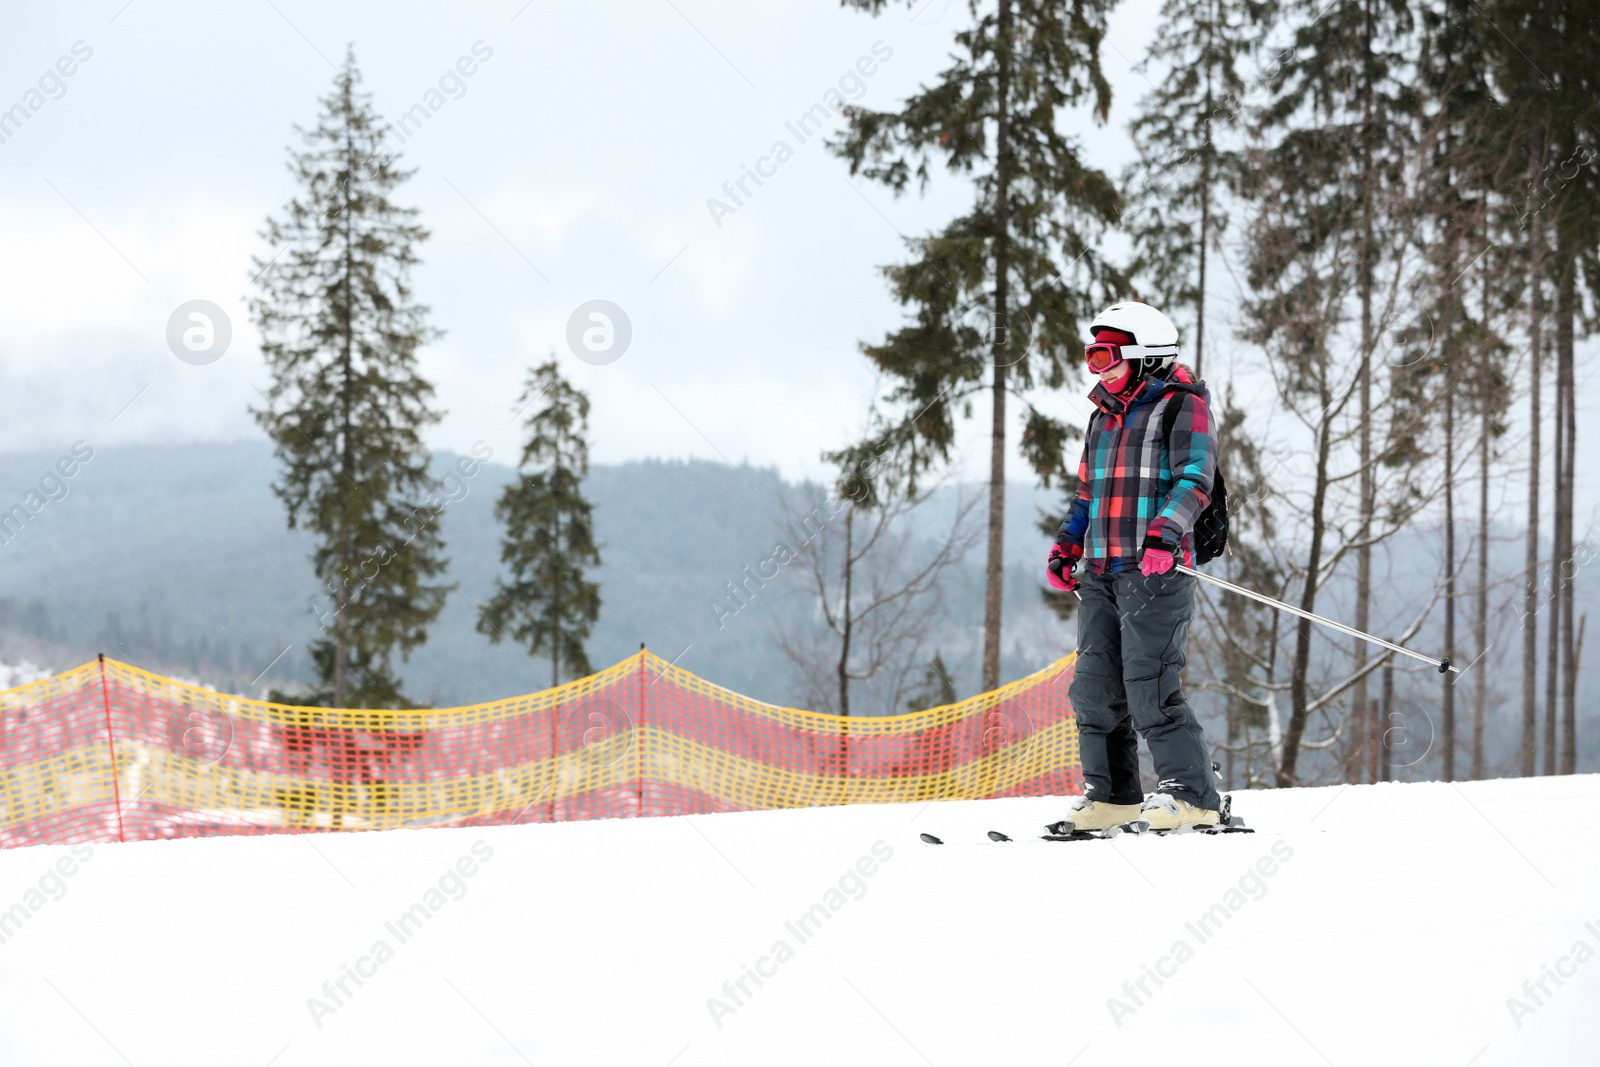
<point x="1192" y="458"/>
<point x="1077" y="521"/>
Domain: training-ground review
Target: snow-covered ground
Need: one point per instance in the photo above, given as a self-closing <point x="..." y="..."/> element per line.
<point x="24" y="673"/>
<point x="1403" y="924"/>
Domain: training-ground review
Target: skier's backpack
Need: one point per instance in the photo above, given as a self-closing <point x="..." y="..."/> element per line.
<point x="1211" y="528"/>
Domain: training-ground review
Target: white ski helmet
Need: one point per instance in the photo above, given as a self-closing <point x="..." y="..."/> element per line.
<point x="1155" y="338"/>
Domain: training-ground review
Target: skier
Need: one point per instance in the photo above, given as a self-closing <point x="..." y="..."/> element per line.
<point x="1145" y="476"/>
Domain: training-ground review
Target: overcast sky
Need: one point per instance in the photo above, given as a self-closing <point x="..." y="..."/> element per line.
<point x="575" y="163"/>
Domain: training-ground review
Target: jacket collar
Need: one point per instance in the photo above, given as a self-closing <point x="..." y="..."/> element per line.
<point x="1148" y="389"/>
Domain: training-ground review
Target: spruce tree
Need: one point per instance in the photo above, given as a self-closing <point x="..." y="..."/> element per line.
<point x="341" y="330"/>
<point x="548" y="604"/>
<point x="1185" y="135"/>
<point x="1492" y="285"/>
<point x="935" y="690"/>
<point x="997" y="299"/>
<point x="1568" y="192"/>
<point x="1331" y="242"/>
<point x="1458" y="107"/>
<point x="1521" y="59"/>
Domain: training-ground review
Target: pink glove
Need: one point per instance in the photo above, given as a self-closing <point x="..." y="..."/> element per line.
<point x="1058" y="569"/>
<point x="1155" y="561"/>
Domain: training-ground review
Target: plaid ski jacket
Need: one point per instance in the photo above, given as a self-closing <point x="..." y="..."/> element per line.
<point x="1136" y="489"/>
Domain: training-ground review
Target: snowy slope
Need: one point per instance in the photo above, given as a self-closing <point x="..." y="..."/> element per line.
<point x="1367" y="925"/>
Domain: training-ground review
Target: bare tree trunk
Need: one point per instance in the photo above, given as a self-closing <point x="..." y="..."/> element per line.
<point x="1480" y="636"/>
<point x="1274" y="734"/>
<point x="1368" y="484"/>
<point x="555" y="624"/>
<point x="1386" y="756"/>
<point x="845" y="615"/>
<point x="1552" y="684"/>
<point x="995" y="571"/>
<point x="1530" y="586"/>
<point x="1449" y="712"/>
<point x="1233" y="732"/>
<point x="1566" y="469"/>
<point x="1560" y="551"/>
<point x="1374" y="760"/>
<point x="341" y="628"/>
<point x="1274" y="737"/>
<point x="1298" y="696"/>
<point x="1569" y="740"/>
<point x="1359" y="711"/>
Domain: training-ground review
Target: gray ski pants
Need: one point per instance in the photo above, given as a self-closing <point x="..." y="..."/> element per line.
<point x="1131" y="636"/>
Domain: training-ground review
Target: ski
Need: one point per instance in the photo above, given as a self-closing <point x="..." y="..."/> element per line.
<point x="1063" y="830"/>
<point x="1234" y="825"/>
<point x="1068" y="835"/>
<point x="1081" y="835"/>
<point x="1058" y="832"/>
<point x="998" y="837"/>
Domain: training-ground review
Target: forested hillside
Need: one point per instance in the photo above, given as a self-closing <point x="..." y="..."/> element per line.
<point x="176" y="557"/>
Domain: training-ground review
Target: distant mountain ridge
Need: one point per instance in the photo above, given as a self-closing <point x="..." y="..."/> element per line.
<point x="177" y="557"/>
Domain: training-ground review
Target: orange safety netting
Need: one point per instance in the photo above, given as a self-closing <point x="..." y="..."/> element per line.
<point x="109" y="752"/>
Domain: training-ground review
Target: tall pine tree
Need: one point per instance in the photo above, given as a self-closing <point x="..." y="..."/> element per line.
<point x="996" y="299"/>
<point x="548" y="604"/>
<point x="1457" y="105"/>
<point x="1185" y="134"/>
<point x="1570" y="188"/>
<point x="1330" y="242"/>
<point x="1528" y="36"/>
<point x="1540" y="57"/>
<point x="347" y="407"/>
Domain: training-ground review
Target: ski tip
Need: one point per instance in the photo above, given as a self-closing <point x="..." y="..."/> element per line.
<point x="929" y="839"/>
<point x="996" y="835"/>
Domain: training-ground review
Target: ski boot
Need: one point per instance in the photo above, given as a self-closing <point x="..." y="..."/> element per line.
<point x="1163" y="811"/>
<point x="1094" y="816"/>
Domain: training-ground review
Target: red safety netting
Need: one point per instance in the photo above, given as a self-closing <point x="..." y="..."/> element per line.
<point x="109" y="752"/>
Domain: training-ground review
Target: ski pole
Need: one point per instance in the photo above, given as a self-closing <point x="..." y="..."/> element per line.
<point x="1443" y="664"/>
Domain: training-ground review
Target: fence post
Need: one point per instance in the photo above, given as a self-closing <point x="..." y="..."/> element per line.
<point x="640" y="729"/>
<point x="116" y="782"/>
<point x="555" y="763"/>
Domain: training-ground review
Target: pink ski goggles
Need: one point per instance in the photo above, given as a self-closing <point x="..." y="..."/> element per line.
<point x="1102" y="357"/>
